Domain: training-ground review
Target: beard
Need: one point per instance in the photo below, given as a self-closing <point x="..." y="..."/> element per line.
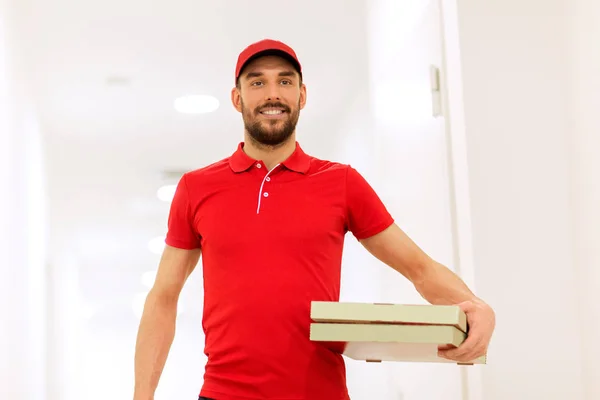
<point x="270" y="132"/>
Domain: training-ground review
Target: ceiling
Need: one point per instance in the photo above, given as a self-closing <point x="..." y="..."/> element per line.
<point x="104" y="75"/>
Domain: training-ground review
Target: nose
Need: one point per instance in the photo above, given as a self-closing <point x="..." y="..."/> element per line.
<point x="272" y="93"/>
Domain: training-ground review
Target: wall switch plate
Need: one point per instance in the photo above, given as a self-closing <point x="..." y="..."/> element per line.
<point x="436" y="90"/>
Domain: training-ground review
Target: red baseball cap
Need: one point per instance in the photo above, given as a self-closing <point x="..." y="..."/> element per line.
<point x="264" y="48"/>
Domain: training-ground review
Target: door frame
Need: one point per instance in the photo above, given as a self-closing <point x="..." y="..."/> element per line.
<point x="460" y="207"/>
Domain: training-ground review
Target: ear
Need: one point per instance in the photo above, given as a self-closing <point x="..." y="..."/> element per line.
<point x="302" y="96"/>
<point x="236" y="99"/>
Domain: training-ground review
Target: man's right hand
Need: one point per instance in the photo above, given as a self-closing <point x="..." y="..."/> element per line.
<point x="157" y="325"/>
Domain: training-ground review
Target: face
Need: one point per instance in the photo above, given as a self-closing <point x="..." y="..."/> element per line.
<point x="270" y="97"/>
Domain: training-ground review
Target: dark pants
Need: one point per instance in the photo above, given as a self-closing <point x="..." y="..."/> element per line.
<point x="204" y="398"/>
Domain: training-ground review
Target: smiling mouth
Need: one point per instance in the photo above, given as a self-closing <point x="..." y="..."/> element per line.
<point x="272" y="112"/>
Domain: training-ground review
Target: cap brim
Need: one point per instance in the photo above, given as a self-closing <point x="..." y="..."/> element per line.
<point x="272" y="52"/>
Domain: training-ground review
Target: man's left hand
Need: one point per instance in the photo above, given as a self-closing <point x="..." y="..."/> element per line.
<point x="481" y="321"/>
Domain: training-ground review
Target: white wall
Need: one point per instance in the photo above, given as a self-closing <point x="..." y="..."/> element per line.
<point x="515" y="69"/>
<point x="5" y="181"/>
<point x="412" y="160"/>
<point x="584" y="135"/>
<point x="392" y="138"/>
<point x="22" y="229"/>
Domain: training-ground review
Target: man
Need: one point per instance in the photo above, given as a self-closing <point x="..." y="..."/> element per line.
<point x="270" y="221"/>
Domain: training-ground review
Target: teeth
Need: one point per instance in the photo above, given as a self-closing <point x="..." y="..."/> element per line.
<point x="272" y="112"/>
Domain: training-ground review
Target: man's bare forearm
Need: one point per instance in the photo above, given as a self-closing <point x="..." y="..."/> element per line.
<point x="155" y="336"/>
<point x="440" y="286"/>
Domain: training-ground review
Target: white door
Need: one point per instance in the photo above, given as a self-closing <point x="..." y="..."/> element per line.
<point x="412" y="147"/>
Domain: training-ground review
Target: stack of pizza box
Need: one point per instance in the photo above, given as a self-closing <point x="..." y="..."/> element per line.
<point x="390" y="332"/>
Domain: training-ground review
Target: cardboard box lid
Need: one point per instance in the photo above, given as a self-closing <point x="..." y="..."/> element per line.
<point x="391" y="342"/>
<point x="377" y="313"/>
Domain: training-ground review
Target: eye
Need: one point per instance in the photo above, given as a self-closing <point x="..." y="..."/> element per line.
<point x="286" y="82"/>
<point x="256" y="83"/>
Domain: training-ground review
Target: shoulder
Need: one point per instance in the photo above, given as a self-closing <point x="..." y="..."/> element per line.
<point x="347" y="172"/>
<point x="343" y="173"/>
<point x="319" y="166"/>
<point x="208" y="173"/>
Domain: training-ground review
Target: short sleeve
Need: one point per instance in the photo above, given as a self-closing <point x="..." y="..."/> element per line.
<point x="181" y="232"/>
<point x="365" y="212"/>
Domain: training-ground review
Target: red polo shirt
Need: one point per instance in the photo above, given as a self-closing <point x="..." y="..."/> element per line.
<point x="271" y="243"/>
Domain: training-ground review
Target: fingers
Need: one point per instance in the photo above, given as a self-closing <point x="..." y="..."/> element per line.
<point x="445" y="347"/>
<point x="481" y="321"/>
<point x="467" y="351"/>
<point x="472" y="348"/>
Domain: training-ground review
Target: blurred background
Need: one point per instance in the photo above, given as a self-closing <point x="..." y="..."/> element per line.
<point x="474" y="120"/>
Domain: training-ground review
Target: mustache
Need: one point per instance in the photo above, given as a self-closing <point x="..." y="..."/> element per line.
<point x="273" y="105"/>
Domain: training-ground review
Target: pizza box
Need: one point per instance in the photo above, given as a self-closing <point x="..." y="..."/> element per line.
<point x="380" y="313"/>
<point x="390" y="332"/>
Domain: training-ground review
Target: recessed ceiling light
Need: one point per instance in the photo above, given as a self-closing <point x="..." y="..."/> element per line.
<point x="166" y="193"/>
<point x="157" y="245"/>
<point x="197" y="104"/>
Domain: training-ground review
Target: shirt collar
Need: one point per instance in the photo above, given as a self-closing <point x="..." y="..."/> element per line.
<point x="299" y="161"/>
<point x="240" y="161"/>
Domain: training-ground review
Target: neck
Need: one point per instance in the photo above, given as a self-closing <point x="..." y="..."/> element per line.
<point x="270" y="155"/>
